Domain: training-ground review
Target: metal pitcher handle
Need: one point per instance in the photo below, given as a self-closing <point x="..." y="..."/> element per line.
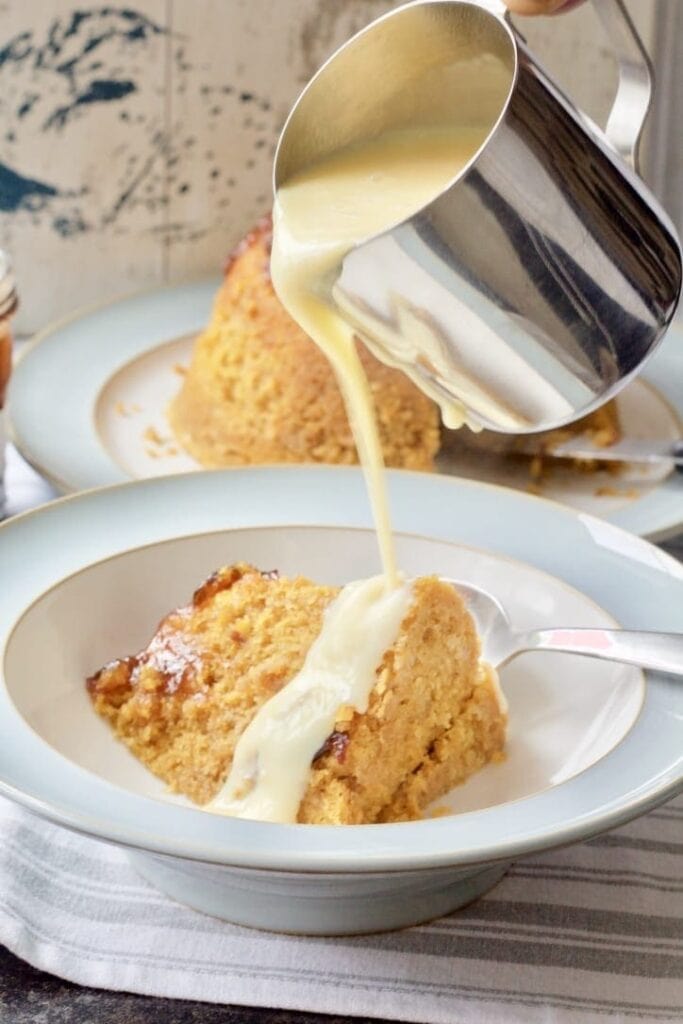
<point x="636" y="80"/>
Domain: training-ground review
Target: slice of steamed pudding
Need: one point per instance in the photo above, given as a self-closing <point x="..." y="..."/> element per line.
<point x="434" y="714"/>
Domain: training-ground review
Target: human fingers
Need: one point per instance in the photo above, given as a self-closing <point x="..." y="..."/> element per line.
<point x="536" y="7"/>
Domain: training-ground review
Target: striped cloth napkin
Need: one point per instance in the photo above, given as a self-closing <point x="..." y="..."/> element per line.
<point x="592" y="932"/>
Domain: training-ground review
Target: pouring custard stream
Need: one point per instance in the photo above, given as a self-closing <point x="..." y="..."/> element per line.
<point x="321" y="214"/>
<point x="319" y="217"/>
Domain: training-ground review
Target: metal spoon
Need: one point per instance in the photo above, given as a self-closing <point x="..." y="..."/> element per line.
<point x="661" y="652"/>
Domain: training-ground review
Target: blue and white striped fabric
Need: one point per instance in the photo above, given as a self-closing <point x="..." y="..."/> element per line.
<point x="588" y="933"/>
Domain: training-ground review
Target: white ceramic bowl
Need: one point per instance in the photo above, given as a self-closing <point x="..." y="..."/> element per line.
<point x="588" y="749"/>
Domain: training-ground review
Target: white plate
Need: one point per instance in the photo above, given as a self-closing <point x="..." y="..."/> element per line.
<point x="88" y="400"/>
<point x="363" y="877"/>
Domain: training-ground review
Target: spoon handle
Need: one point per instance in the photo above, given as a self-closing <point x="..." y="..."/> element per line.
<point x="662" y="652"/>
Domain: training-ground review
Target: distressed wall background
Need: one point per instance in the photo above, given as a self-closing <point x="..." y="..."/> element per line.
<point x="137" y="138"/>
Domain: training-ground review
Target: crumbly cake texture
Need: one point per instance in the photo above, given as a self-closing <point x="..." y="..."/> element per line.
<point x="602" y="426"/>
<point x="258" y="390"/>
<point x="180" y="706"/>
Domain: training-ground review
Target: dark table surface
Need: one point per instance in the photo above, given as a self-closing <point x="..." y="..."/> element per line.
<point x="29" y="996"/>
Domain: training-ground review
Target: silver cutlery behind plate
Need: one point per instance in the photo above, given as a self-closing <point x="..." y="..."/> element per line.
<point x="621" y="451"/>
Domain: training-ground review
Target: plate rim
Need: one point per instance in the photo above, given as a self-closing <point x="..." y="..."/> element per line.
<point x="51" y="331"/>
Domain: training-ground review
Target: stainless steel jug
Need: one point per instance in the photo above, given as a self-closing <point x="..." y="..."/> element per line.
<point x="546" y="273"/>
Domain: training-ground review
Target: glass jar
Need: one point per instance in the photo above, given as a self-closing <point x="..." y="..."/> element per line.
<point x="8" y="305"/>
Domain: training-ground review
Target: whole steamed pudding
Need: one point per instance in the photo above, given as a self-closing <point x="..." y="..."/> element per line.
<point x="258" y="390"/>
